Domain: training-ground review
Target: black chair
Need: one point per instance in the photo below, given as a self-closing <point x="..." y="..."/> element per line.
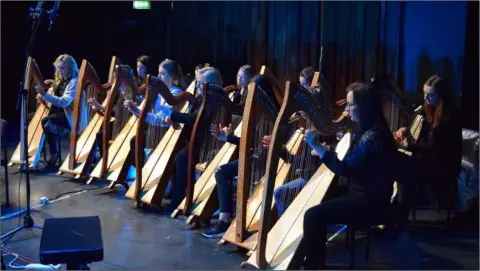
<point x="389" y="220"/>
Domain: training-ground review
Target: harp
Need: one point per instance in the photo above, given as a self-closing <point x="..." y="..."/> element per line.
<point x="260" y="112"/>
<point x="122" y="127"/>
<point x="276" y="246"/>
<point x="397" y="113"/>
<point x="156" y="172"/>
<point x="36" y="138"/>
<point x="82" y="142"/>
<point x="204" y="200"/>
<point x="296" y="163"/>
<point x="215" y="109"/>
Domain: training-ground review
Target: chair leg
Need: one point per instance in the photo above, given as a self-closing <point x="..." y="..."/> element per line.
<point x="347" y="237"/>
<point x="367" y="250"/>
<point x="352" y="248"/>
<point x="59" y="150"/>
<point x="7" y="192"/>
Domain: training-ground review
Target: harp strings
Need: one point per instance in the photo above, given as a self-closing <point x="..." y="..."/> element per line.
<point x="122" y="115"/>
<point x="32" y="104"/>
<point x="215" y="114"/>
<point x="90" y="92"/>
<point x="263" y="126"/>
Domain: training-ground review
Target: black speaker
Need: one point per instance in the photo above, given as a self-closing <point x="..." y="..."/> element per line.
<point x="75" y="241"/>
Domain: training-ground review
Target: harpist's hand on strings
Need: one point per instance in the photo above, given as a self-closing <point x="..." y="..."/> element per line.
<point x="400" y="134"/>
<point x="219" y="132"/>
<point x="312" y="139"/>
<point x="266" y="141"/>
<point x="131" y="106"/>
<point x="168" y="121"/>
<point x="40" y="90"/>
<point x="39" y="98"/>
<point x="94" y="104"/>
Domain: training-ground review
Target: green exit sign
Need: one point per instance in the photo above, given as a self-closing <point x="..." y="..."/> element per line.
<point x="141" y="4"/>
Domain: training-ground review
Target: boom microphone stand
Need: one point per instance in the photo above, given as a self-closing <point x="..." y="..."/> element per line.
<point x="36" y="15"/>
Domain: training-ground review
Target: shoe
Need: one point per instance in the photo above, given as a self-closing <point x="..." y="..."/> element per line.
<point x="52" y="162"/>
<point x="218" y="230"/>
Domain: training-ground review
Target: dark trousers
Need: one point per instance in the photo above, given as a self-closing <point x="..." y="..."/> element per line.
<point x="99" y="142"/>
<point x="224" y="176"/>
<point x="131" y="155"/>
<point x="179" y="179"/>
<point x="351" y="209"/>
<point x="54" y="125"/>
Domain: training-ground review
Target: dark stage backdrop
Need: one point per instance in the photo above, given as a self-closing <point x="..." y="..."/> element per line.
<point x="360" y="39"/>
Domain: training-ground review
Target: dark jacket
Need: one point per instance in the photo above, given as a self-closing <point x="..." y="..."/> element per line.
<point x="368" y="164"/>
<point x="440" y="148"/>
<point x="188" y="118"/>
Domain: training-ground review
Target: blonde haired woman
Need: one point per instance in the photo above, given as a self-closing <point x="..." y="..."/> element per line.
<point x="59" y="121"/>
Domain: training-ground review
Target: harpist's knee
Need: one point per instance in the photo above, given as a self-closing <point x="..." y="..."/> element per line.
<point x="277" y="193"/>
<point x="132" y="143"/>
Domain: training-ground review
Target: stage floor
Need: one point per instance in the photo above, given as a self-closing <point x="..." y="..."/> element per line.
<point x="139" y="240"/>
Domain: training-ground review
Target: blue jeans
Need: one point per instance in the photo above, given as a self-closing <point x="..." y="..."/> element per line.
<point x="285" y="194"/>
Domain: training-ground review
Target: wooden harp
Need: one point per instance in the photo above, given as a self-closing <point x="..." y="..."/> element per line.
<point x="36" y="138"/>
<point x="294" y="163"/>
<point x="156" y="172"/>
<point x="276" y="247"/>
<point x="122" y="127"/>
<point x="204" y="199"/>
<point x="82" y="142"/>
<point x="260" y="112"/>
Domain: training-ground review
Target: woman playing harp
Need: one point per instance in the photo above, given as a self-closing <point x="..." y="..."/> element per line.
<point x="100" y="108"/>
<point x="286" y="193"/>
<point x="144" y="63"/>
<point x="438" y="151"/>
<point x="60" y="118"/>
<point x="205" y="186"/>
<point x="368" y="165"/>
<point x="170" y="72"/>
<point x="179" y="181"/>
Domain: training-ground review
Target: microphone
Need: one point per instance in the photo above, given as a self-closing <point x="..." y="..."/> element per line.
<point x="34" y="12"/>
<point x="53" y="13"/>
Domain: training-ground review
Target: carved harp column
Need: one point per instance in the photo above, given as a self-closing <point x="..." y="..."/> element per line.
<point x="82" y="142"/>
<point x="276" y="246"/>
<point x="36" y="138"/>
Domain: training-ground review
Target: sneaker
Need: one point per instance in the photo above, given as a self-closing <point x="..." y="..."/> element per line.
<point x="217" y="230"/>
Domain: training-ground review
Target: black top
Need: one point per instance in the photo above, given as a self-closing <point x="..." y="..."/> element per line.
<point x="58" y="91"/>
<point x="440" y="148"/>
<point x="188" y="118"/>
<point x="368" y="164"/>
